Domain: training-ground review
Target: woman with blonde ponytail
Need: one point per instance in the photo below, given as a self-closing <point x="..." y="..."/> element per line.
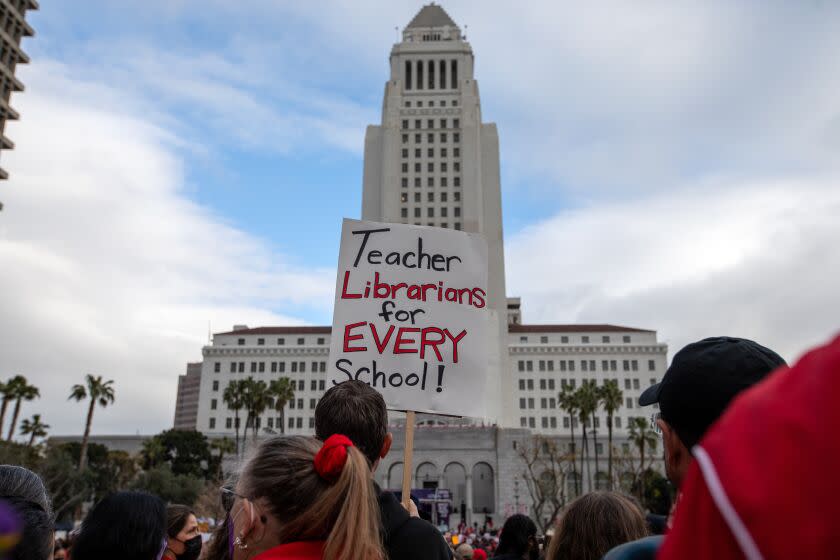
<point x="297" y="499"/>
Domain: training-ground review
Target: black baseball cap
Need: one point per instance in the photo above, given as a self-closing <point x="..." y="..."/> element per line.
<point x="703" y="379"/>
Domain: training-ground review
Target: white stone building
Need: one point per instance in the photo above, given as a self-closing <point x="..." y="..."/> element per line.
<point x="433" y="162"/>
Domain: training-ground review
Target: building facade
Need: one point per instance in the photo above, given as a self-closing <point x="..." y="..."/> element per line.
<point x="13" y="27"/>
<point x="186" y="404"/>
<point x="433" y="162"/>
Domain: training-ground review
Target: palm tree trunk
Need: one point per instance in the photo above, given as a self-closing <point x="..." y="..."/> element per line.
<point x="236" y="428"/>
<point x="3" y="408"/>
<point x="595" y="442"/>
<point x="245" y="432"/>
<point x="610" y="451"/>
<point x="83" y="454"/>
<point x="14" y="419"/>
<point x="574" y="463"/>
<point x="586" y="459"/>
<point x="283" y="419"/>
<point x="32" y="439"/>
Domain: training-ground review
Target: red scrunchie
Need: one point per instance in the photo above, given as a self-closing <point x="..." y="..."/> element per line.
<point x="330" y="459"/>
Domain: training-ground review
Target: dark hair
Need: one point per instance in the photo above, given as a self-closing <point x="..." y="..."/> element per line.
<point x="24" y="493"/>
<point x="176" y="518"/>
<point x="516" y="534"/>
<point x="356" y="410"/>
<point x="217" y="546"/>
<point x="595" y="523"/>
<point x="126" y="525"/>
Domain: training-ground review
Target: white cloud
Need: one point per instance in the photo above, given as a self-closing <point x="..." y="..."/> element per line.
<point x="108" y="268"/>
<point x="756" y="260"/>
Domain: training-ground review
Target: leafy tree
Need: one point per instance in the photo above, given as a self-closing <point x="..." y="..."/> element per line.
<point x="223" y="446"/>
<point x="185" y="452"/>
<point x="171" y="487"/>
<point x="655" y="491"/>
<point x="20" y="390"/>
<point x="611" y="399"/>
<point x="569" y="403"/>
<point x="283" y="391"/>
<point x="587" y="400"/>
<point x="232" y="397"/>
<point x="545" y="476"/>
<point x="33" y="428"/>
<point x="100" y="392"/>
<point x="642" y="436"/>
<point x="255" y="399"/>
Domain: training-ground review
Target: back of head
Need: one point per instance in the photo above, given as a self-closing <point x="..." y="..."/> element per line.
<point x="23" y="492"/>
<point x="125" y="525"/>
<point x="517" y="533"/>
<point x="358" y="411"/>
<point x="704" y="378"/>
<point x="595" y="523"/>
<point x="343" y="511"/>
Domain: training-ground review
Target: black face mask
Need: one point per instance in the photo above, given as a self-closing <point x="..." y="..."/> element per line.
<point x="192" y="549"/>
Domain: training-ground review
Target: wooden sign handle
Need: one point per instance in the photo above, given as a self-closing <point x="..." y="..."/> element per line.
<point x="407" y="457"/>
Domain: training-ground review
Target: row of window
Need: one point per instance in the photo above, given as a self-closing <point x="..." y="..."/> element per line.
<point x="420" y="74"/>
<point x="430" y="212"/>
<point x="550" y="403"/>
<point x="585" y="339"/>
<point x="432" y="103"/>
<point x="551" y="422"/>
<point x="430" y="197"/>
<point x="270" y="423"/>
<point x="321" y="341"/>
<point x="297" y="385"/>
<point x="276" y="367"/>
<point x="456" y="166"/>
<point x="430" y="138"/>
<point x="456" y="225"/>
<point x="585" y="365"/>
<point x="430" y="123"/>
<point x="430" y="168"/>
<point x="430" y="181"/>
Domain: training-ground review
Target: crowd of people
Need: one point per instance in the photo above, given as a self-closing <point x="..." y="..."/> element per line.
<point x="749" y="443"/>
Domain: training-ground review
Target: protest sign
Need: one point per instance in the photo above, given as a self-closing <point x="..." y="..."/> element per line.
<point x="410" y="320"/>
<point x="410" y="316"/>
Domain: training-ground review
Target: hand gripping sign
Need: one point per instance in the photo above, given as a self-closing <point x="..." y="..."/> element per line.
<point x="410" y="316"/>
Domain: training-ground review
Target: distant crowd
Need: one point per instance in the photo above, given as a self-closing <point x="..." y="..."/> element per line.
<point x="750" y="443"/>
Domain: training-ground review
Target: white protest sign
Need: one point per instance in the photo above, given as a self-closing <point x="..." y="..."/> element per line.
<point x="410" y="316"/>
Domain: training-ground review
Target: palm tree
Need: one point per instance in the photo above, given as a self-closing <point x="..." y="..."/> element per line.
<point x="642" y="436"/>
<point x="246" y="386"/>
<point x="6" y="390"/>
<point x="283" y="391"/>
<point x="33" y="428"/>
<point x="259" y="400"/>
<point x="611" y="399"/>
<point x="223" y="446"/>
<point x="587" y="405"/>
<point x="23" y="391"/>
<point x="233" y="399"/>
<point x="100" y="392"/>
<point x="568" y="402"/>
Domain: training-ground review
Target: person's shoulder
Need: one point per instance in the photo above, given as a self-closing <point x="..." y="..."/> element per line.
<point x="417" y="538"/>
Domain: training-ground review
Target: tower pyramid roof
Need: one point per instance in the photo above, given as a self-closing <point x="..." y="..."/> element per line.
<point x="431" y="15"/>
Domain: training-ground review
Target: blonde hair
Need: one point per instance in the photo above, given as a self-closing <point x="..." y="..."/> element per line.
<point x="344" y="512"/>
<point x="593" y="524"/>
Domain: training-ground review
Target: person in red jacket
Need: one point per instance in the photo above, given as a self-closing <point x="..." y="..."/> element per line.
<point x="299" y="500"/>
<point x="764" y="481"/>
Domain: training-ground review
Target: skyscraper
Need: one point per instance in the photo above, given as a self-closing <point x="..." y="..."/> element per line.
<point x="13" y="27"/>
<point x="433" y="162"/>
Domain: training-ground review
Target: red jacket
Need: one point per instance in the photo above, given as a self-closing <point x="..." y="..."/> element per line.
<point x="302" y="550"/>
<point x="764" y="483"/>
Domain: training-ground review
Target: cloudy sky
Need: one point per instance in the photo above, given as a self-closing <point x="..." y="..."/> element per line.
<point x="184" y="165"/>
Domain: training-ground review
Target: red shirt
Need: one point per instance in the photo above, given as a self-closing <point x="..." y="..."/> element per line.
<point x="301" y="550"/>
<point x="764" y="482"/>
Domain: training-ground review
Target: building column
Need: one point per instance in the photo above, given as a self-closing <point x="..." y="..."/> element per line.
<point x="469" y="499"/>
<point x="441" y="481"/>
